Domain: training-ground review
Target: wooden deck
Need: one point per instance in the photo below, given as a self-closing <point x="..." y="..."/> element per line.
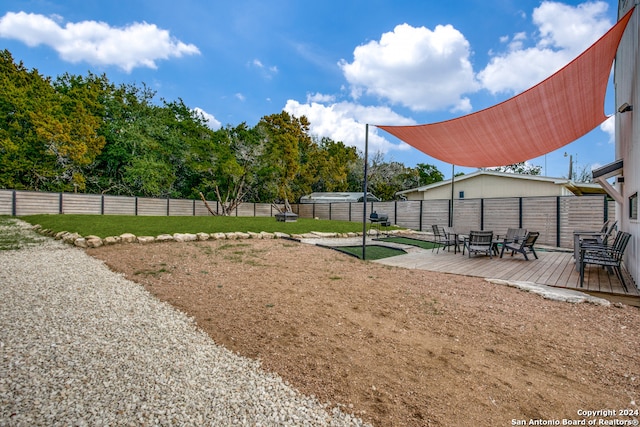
<point x="553" y="268"/>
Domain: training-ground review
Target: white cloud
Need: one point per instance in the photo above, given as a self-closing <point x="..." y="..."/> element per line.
<point x="571" y="28"/>
<point x="345" y="122"/>
<point x="136" y="45"/>
<point x="240" y="97"/>
<point x="212" y="122"/>
<point x="421" y="69"/>
<point x="563" y="32"/>
<point x="320" y="97"/>
<point x="609" y="127"/>
<point x="268" y="72"/>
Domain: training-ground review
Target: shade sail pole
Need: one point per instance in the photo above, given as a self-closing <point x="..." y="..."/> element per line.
<point x="364" y="197"/>
<point x="453" y="172"/>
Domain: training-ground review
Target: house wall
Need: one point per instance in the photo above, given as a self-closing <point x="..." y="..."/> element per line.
<point x="486" y="186"/>
<point x="627" y="68"/>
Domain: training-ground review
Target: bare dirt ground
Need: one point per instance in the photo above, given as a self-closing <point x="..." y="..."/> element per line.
<point x="396" y="347"/>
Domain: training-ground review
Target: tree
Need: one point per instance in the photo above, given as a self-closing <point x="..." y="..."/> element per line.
<point x="228" y="165"/>
<point x="286" y="139"/>
<point x="336" y="160"/>
<point x="49" y="131"/>
<point x="522" y="168"/>
<point x="428" y="174"/>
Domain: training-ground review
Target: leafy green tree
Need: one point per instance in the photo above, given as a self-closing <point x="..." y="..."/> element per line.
<point x="286" y="139"/>
<point x="227" y="165"/>
<point x="428" y="174"/>
<point x="522" y="168"/>
<point x="335" y="161"/>
<point x="48" y="132"/>
<point x="126" y="109"/>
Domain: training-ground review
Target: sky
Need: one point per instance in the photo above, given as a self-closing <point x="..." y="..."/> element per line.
<point x="342" y="64"/>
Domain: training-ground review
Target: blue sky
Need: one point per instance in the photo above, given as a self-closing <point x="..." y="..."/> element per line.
<point x="340" y="63"/>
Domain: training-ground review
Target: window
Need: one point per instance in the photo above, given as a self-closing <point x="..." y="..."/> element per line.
<point x="633" y="206"/>
<point x="461" y="195"/>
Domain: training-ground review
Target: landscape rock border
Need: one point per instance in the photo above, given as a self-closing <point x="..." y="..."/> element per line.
<point x="92" y="241"/>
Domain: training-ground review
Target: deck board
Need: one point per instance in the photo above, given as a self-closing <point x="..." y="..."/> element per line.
<point x="553" y="268"/>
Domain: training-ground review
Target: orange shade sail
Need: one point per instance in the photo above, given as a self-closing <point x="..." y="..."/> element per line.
<point x="550" y="115"/>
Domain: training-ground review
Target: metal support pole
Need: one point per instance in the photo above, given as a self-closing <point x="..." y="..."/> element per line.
<point x="453" y="172"/>
<point x="364" y="200"/>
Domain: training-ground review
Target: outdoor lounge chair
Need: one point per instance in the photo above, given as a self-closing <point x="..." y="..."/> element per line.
<point x="443" y="237"/>
<point x="479" y="242"/>
<point x="524" y="246"/>
<point x="609" y="256"/>
<point x="514" y="235"/>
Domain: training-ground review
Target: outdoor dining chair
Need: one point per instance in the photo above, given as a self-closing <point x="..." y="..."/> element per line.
<point x="609" y="256"/>
<point x="524" y="246"/>
<point x="602" y="236"/>
<point x="444" y="237"/>
<point x="479" y="242"/>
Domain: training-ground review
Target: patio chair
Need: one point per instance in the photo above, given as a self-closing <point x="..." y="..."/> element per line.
<point x="444" y="237"/>
<point x="602" y="236"/>
<point x="524" y="246"/>
<point x="609" y="256"/>
<point x="514" y="235"/>
<point x="479" y="242"/>
<point x="592" y="237"/>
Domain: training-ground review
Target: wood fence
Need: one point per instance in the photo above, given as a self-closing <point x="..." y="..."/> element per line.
<point x="554" y="217"/>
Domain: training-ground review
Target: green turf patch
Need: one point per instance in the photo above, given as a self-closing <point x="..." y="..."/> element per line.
<point x="372" y="252"/>
<point x="409" y="241"/>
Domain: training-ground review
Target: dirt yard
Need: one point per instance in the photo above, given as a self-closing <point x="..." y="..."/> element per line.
<point x="397" y="347"/>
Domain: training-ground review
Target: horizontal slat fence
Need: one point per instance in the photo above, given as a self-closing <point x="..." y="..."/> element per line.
<point x="554" y="217"/>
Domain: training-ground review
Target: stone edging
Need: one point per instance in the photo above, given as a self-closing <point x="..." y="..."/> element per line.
<point x="95" y="241"/>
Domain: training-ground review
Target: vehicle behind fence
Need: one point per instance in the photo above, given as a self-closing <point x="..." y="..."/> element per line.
<point x="556" y="218"/>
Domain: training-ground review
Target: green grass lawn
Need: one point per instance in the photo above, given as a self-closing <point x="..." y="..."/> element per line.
<point x="114" y="225"/>
<point x="372" y="252"/>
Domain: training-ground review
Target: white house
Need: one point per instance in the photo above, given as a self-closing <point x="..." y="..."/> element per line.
<point x="490" y="184"/>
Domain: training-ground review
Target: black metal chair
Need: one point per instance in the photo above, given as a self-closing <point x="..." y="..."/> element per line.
<point x="443" y="238"/>
<point x="524" y="246"/>
<point x="609" y="256"/>
<point x="479" y="242"/>
<point x="514" y="235"/>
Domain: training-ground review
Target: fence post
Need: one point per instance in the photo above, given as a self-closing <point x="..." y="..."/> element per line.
<point x="102" y="204"/>
<point x="136" y="205"/>
<point x="14" y="203"/>
<point x="60" y="204"/>
<point x="395" y="212"/>
<point x="520" y="212"/>
<point x="558" y="226"/>
<point x="606" y="209"/>
<point x="482" y="214"/>
<point x="421" y="212"/>
<point x="194" y="207"/>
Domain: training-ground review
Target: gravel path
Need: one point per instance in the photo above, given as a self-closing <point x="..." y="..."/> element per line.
<point x="81" y="345"/>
